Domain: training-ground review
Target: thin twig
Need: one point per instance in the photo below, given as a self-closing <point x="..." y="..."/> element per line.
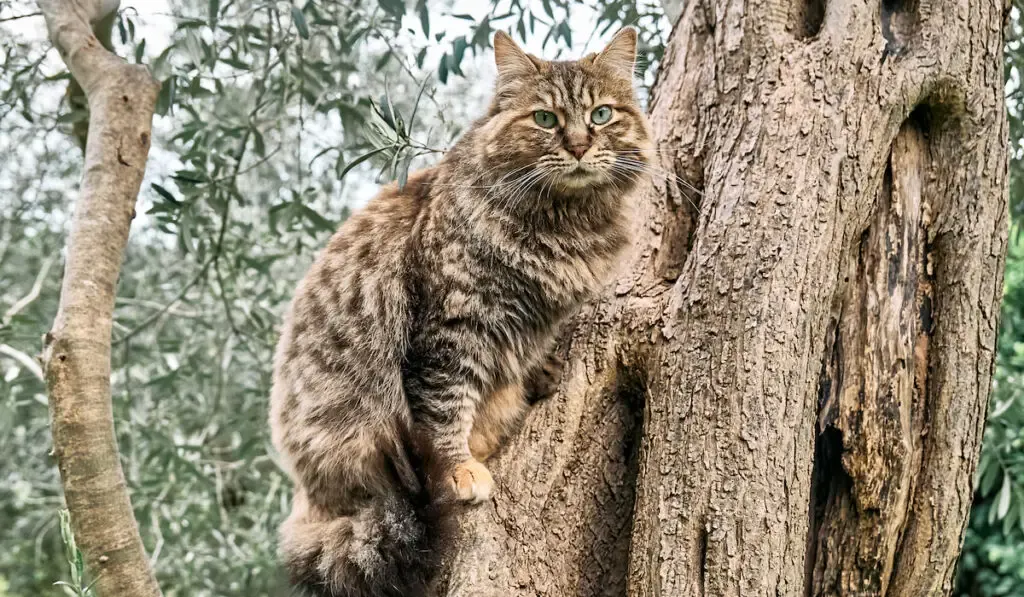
<point x="32" y="295"/>
<point x="161" y="312"/>
<point x="124" y="300"/>
<point x="233" y="186"/>
<point x="24" y="16"/>
<point x="5" y="238"/>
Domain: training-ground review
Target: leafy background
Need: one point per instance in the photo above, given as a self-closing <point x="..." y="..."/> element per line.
<point x="275" y="120"/>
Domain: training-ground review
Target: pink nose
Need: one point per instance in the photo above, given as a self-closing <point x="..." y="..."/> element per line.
<point x="578" y="149"/>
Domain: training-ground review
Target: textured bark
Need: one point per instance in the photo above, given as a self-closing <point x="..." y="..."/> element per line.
<point x="785" y="392"/>
<point x="77" y="353"/>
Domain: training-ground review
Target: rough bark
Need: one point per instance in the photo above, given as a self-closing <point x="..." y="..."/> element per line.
<point x="77" y="352"/>
<point x="785" y="392"/>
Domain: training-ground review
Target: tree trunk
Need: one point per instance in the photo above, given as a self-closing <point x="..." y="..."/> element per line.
<point x="785" y="392"/>
<point x="77" y="352"/>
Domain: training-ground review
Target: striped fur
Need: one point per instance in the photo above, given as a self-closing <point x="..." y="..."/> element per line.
<point x="430" y="308"/>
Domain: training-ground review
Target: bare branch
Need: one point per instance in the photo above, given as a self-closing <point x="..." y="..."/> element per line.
<point x="25" y="360"/>
<point x="121" y="98"/>
<point x="18" y="17"/>
<point x="32" y="295"/>
<point x="164" y="308"/>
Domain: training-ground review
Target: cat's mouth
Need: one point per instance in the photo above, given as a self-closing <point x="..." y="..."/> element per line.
<point x="578" y="176"/>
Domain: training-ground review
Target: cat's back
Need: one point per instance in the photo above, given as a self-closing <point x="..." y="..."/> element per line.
<point x="384" y="224"/>
<point x="370" y="247"/>
<point x="351" y="307"/>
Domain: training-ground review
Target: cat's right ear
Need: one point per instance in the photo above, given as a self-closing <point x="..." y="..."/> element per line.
<point x="620" y="53"/>
<point x="511" y="60"/>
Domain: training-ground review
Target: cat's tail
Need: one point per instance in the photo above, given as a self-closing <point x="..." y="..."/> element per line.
<point x="388" y="545"/>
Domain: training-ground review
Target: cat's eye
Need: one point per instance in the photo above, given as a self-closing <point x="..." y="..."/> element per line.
<point x="545" y="119"/>
<point x="601" y="115"/>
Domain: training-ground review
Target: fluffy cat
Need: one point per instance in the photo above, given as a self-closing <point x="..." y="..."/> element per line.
<point x="403" y="357"/>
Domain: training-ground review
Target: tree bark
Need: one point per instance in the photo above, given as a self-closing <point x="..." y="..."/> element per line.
<point x="784" y="394"/>
<point x="121" y="99"/>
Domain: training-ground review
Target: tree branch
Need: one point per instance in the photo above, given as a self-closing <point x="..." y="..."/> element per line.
<point x="22" y="358"/>
<point x="32" y="295"/>
<point x="121" y="99"/>
<point x="19" y="17"/>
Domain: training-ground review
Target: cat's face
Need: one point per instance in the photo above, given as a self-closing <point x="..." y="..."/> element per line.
<point x="567" y="126"/>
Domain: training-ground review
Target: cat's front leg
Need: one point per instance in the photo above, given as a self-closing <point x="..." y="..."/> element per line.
<point x="447" y="416"/>
<point x="496" y="418"/>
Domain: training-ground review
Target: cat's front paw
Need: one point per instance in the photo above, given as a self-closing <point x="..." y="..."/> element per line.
<point x="472" y="482"/>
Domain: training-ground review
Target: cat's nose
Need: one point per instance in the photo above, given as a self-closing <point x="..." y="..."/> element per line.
<point x="578" y="149"/>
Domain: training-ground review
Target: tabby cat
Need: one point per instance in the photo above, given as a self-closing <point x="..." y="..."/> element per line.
<point x="403" y="358"/>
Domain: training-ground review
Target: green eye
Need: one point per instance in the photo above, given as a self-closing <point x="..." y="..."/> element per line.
<point x="601" y="115"/>
<point x="545" y="119"/>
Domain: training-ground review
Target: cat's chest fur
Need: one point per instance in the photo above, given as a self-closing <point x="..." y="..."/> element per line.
<point x="507" y="287"/>
<point x="545" y="271"/>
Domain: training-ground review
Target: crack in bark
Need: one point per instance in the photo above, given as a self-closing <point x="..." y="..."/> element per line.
<point x="702" y="559"/>
<point x="682" y="210"/>
<point x="831" y="488"/>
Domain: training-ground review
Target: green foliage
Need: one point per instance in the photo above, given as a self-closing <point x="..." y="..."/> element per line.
<point x="275" y="119"/>
<point x="76" y="561"/>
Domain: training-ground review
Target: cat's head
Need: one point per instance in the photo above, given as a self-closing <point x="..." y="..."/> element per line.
<point x="570" y="126"/>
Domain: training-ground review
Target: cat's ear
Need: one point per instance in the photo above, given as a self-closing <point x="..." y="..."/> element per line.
<point x="620" y="53"/>
<point x="512" y="61"/>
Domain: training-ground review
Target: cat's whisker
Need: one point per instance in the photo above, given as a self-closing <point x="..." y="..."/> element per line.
<point x="643" y="173"/>
<point x="681" y="182"/>
<point x="627" y="162"/>
<point x="510" y="174"/>
<point x="509" y="190"/>
<point x="515" y="197"/>
<point x="623" y="156"/>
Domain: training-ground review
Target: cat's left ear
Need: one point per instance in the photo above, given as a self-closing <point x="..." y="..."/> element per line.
<point x="511" y="60"/>
<point x="620" y="53"/>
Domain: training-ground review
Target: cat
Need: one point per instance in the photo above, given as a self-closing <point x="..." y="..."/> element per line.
<point x="403" y="357"/>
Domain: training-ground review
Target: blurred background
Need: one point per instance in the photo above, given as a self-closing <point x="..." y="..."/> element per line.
<point x="275" y="120"/>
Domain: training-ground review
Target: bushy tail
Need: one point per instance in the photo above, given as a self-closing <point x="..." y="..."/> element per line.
<point x="388" y="545"/>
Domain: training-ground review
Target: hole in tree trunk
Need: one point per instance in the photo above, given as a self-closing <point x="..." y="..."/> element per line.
<point x="900" y="23"/>
<point x="806" y="18"/>
<point x="703" y="555"/>
<point x="873" y="385"/>
<point x="631" y="388"/>
<point x="924" y="116"/>
<point x="830" y="485"/>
